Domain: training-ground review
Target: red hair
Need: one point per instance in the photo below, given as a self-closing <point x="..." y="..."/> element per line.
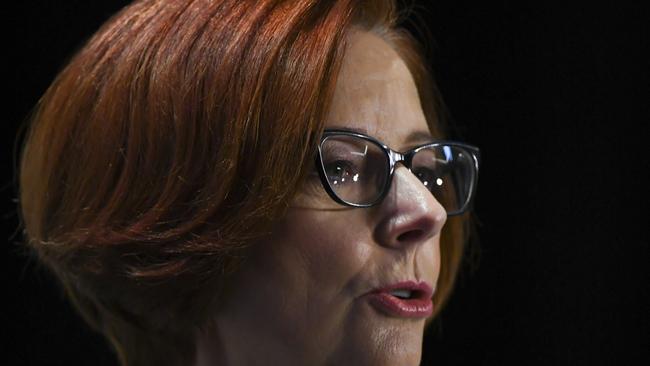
<point x="172" y="140"/>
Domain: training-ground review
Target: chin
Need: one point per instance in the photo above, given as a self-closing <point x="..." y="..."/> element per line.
<point x="400" y="355"/>
<point x="383" y="341"/>
<point x="399" y="347"/>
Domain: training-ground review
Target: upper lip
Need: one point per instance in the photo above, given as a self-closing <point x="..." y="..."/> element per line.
<point x="419" y="290"/>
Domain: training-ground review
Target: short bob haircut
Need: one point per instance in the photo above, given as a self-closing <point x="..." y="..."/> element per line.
<point x="173" y="139"/>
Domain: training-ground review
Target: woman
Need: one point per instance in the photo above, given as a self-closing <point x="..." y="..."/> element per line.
<point x="217" y="182"/>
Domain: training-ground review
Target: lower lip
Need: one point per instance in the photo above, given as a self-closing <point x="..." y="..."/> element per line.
<point x="403" y="308"/>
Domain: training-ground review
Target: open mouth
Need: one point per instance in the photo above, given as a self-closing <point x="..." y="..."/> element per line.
<point x="407" y="299"/>
<point x="402" y="303"/>
<point x="405" y="294"/>
<point x="408" y="290"/>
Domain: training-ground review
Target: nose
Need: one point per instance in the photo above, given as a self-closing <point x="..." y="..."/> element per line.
<point x="409" y="214"/>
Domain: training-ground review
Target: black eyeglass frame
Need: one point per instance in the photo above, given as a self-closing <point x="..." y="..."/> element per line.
<point x="394" y="157"/>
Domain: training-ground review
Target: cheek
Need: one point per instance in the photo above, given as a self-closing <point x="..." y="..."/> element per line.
<point x="307" y="275"/>
<point x="330" y="248"/>
<point x="434" y="260"/>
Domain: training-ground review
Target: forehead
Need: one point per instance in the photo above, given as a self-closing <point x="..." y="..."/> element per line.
<point x="376" y="94"/>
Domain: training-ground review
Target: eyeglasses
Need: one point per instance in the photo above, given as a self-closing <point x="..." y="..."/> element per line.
<point x="357" y="170"/>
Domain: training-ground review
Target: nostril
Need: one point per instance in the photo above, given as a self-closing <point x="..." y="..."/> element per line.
<point x="411" y="235"/>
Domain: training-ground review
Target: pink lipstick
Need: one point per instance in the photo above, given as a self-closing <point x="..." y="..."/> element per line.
<point x="408" y="299"/>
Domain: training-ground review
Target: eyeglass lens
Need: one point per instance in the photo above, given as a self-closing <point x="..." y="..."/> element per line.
<point x="357" y="170"/>
<point x="447" y="172"/>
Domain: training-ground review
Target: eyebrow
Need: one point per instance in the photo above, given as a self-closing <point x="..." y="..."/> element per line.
<point x="415" y="137"/>
<point x="419" y="136"/>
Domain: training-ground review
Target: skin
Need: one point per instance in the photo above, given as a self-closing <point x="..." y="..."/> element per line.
<point x="299" y="297"/>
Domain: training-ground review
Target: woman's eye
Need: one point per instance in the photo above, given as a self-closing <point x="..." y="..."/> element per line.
<point x="428" y="177"/>
<point x="340" y="172"/>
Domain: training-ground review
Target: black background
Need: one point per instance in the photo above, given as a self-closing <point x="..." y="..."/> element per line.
<point x="557" y="100"/>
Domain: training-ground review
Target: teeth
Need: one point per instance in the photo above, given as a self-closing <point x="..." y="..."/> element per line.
<point x="402" y="294"/>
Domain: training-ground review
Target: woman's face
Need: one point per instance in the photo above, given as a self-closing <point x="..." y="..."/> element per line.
<point x="308" y="293"/>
